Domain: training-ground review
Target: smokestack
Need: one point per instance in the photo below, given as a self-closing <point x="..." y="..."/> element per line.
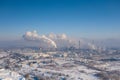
<point x="79" y="44"/>
<point x="93" y="42"/>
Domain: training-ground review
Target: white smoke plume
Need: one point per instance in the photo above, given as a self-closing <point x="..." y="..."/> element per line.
<point x="60" y="36"/>
<point x="92" y="46"/>
<point x="33" y="36"/>
<point x="62" y="40"/>
<point x="49" y="40"/>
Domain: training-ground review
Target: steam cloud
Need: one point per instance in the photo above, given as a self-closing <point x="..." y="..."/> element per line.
<point x="50" y="39"/>
<point x="92" y="46"/>
<point x="33" y="36"/>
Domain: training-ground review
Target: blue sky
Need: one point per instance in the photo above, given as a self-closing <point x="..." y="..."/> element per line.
<point x="81" y="18"/>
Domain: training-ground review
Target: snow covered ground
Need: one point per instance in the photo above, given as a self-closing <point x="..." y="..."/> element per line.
<point x="75" y="68"/>
<point x="74" y="73"/>
<point x="113" y="66"/>
<point x="10" y="75"/>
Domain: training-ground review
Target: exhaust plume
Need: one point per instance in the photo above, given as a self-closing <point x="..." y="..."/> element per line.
<point x="33" y="36"/>
<point x="49" y="40"/>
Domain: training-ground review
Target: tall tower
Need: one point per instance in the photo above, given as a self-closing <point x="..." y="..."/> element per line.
<point x="79" y="44"/>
